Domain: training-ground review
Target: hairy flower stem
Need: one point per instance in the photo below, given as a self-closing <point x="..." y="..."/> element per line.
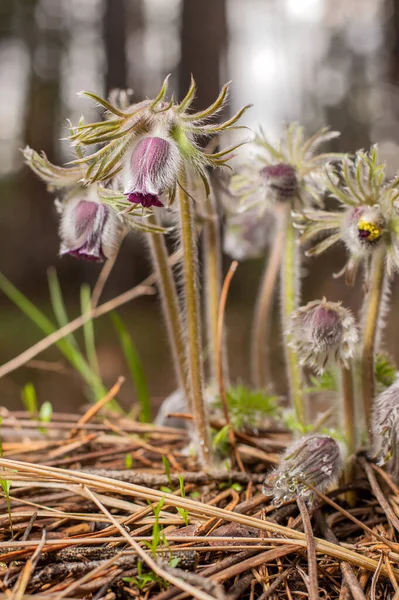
<point x="348" y="405"/>
<point x="188" y="240"/>
<point x="261" y="372"/>
<point x="290" y="279"/>
<point x="170" y="307"/>
<point x="212" y="276"/>
<point x="372" y="311"/>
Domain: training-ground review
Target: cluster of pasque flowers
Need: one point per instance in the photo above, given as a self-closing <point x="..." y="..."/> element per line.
<point x="143" y="148"/>
<point x="323" y="332"/>
<point x="312" y="463"/>
<point x="368" y="217"/>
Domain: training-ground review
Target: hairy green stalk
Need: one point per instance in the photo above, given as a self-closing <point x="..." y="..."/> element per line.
<point x="261" y="371"/>
<point x="193" y="321"/>
<point x="212" y="276"/>
<point x="348" y="411"/>
<point x="170" y="307"/>
<point x="372" y="314"/>
<point x="290" y="281"/>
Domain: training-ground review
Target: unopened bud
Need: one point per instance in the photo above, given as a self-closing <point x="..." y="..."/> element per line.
<point x="313" y="462"/>
<point x="150" y="170"/>
<point x="323" y="331"/>
<point x="385" y="428"/>
<point x="281" y="179"/>
<point x="89" y="230"/>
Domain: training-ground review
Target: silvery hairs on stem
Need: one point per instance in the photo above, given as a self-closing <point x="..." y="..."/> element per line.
<point x="322" y="332"/>
<point x="367" y="218"/>
<point x="385" y="429"/>
<point x="313" y="461"/>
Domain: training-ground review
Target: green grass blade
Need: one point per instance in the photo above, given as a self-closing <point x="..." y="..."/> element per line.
<point x="58" y="304"/>
<point x="135" y="368"/>
<point x="88" y="329"/>
<point x="70" y="352"/>
<point x="29" y="398"/>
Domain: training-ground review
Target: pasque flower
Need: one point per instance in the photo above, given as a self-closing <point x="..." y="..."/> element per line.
<point x="385" y="428"/>
<point x="147" y="143"/>
<point x="89" y="229"/>
<point x="287" y="172"/>
<point x="367" y="218"/>
<point x="323" y="331"/>
<point x="312" y="462"/>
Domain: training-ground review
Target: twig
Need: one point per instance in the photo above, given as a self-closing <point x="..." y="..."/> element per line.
<point x="312" y="561"/>
<point x="26" y="573"/>
<point x="95" y="408"/>
<point x="375" y="578"/>
<point x="151" y="564"/>
<point x="392" y="518"/>
<point x="346" y="568"/>
<point x="219" y="361"/>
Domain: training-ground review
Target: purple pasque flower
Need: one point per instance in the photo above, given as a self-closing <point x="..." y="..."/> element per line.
<point x="151" y="169"/>
<point x="281" y="179"/>
<point x="89" y="229"/>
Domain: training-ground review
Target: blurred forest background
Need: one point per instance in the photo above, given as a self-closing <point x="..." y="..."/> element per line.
<point x="314" y="61"/>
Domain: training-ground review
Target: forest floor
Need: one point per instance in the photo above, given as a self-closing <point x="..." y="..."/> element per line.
<point x="105" y="507"/>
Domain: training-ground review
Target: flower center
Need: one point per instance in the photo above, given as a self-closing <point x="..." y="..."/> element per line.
<point x="369" y="232"/>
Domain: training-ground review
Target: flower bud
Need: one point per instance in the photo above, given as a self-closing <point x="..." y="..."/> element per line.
<point x="314" y="461"/>
<point x="281" y="179"/>
<point x="89" y="230"/>
<point x="385" y="428"/>
<point x="363" y="229"/>
<point x="151" y="169"/>
<point x="246" y="235"/>
<point x="323" y="331"/>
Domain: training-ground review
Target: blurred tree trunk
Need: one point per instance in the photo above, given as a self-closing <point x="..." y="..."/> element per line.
<point x="203" y="47"/>
<point x="115" y="44"/>
<point x="37" y="221"/>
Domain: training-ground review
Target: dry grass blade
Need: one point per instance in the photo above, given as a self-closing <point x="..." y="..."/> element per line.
<point x="143" y="289"/>
<point x="312" y="561"/>
<point x="151" y="564"/>
<point x="87" y="577"/>
<point x="36" y="472"/>
<point x="26" y="573"/>
<point x="219" y="358"/>
<point x="95" y="408"/>
<point x="379" y="495"/>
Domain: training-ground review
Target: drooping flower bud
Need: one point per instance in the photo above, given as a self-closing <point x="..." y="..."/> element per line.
<point x="281" y="179"/>
<point x="322" y="331"/>
<point x="385" y="428"/>
<point x="90" y="230"/>
<point x="151" y="169"/>
<point x="246" y="235"/>
<point x="363" y="229"/>
<point x="314" y="461"/>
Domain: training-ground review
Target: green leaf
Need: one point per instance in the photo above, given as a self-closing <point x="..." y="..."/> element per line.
<point x="29" y="398"/>
<point x="67" y="348"/>
<point x="135" y="368"/>
<point x="88" y="329"/>
<point x="46" y="412"/>
<point x="166" y="466"/>
<point x="246" y="406"/>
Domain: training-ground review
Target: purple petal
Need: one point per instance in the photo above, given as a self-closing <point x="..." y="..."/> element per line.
<point x="146" y="200"/>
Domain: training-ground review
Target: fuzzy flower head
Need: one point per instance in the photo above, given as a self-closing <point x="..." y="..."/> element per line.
<point x="89" y="229"/>
<point x="385" y="428"/>
<point x="147" y="143"/>
<point x="321" y="332"/>
<point x="314" y="461"/>
<point x="368" y="216"/>
<point x="286" y="172"/>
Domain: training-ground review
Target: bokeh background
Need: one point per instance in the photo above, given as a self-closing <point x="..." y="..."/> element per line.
<point x="313" y="61"/>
